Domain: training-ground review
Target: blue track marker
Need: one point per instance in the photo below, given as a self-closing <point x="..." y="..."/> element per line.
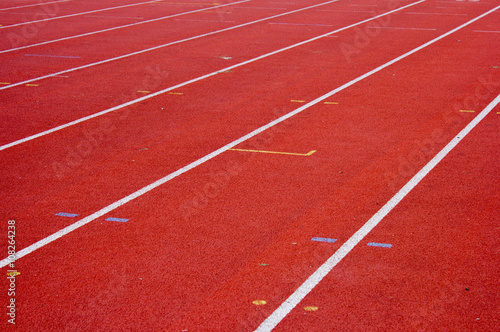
<point x="117" y="219"/>
<point x="323" y="239"/>
<point x="64" y="214"/>
<point x="383" y="245"/>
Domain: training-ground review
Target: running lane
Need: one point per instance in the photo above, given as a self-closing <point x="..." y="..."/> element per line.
<point x="199" y="250"/>
<point x="179" y="128"/>
<point x="441" y="272"/>
<point x="98" y="23"/>
<point x="91" y="89"/>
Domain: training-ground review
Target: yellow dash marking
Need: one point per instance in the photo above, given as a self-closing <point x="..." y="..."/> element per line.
<point x="276" y="152"/>
<point x="175" y="93"/>
<point x="466" y="111"/>
<point x="142" y="91"/>
<point x="297" y="101"/>
<point x="5" y="83"/>
<point x="259" y="302"/>
<point x="330" y="103"/>
<point x="310" y="308"/>
<point x="32" y="84"/>
<point x="498" y="112"/>
<point x="13" y="273"/>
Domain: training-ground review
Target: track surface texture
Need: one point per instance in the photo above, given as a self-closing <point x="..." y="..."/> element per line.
<point x="257" y="165"/>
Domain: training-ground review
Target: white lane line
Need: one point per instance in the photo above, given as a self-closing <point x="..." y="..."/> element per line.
<point x="76" y="14"/>
<point x="311" y="282"/>
<point x="272" y="319"/>
<point x="265" y="8"/>
<point x="32" y="5"/>
<point x="192" y="20"/>
<point x="418" y="13"/>
<point x="165" y="45"/>
<point x="463" y="2"/>
<point x="120" y="17"/>
<point x="29" y="138"/>
<point x="17" y="13"/>
<point x="345" y="11"/>
<point x="308" y="24"/>
<point x="120" y="27"/>
<point x="293" y="300"/>
<point x="402" y="28"/>
<point x="486" y="31"/>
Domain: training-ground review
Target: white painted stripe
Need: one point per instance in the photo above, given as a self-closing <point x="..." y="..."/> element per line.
<point x="108" y="16"/>
<point x="191" y="20"/>
<point x="29" y="138"/>
<point x="309" y="24"/>
<point x="76" y="14"/>
<point x="486" y="31"/>
<point x="167" y="44"/>
<point x="265" y="8"/>
<point x="17" y="13"/>
<point x="463" y="2"/>
<point x="418" y="13"/>
<point x="215" y="153"/>
<point x="345" y="11"/>
<point x="32" y="5"/>
<point x="402" y="28"/>
<point x="277" y="316"/>
<point x="120" y="27"/>
<point x="449" y="7"/>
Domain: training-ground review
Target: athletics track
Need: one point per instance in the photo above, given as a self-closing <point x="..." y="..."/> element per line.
<point x="250" y="165"/>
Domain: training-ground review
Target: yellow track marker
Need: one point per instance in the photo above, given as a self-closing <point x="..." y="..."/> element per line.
<point x="5" y="83"/>
<point x="498" y="112"/>
<point x="466" y="111"/>
<point x="175" y="93"/>
<point x="13" y="273"/>
<point x="259" y="302"/>
<point x="32" y="84"/>
<point x="276" y="152"/>
<point x="141" y="91"/>
<point x="297" y="101"/>
<point x="330" y="103"/>
<point x="310" y="308"/>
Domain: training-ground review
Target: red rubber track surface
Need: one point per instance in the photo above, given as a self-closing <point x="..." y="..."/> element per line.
<point x="197" y="251"/>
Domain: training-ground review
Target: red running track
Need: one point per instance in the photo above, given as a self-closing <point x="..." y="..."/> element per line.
<point x="222" y="246"/>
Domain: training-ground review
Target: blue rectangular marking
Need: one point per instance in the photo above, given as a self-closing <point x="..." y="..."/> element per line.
<point x="323" y="239"/>
<point x="64" y="214"/>
<point x="54" y="56"/>
<point x="117" y="219"/>
<point x="383" y="245"/>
